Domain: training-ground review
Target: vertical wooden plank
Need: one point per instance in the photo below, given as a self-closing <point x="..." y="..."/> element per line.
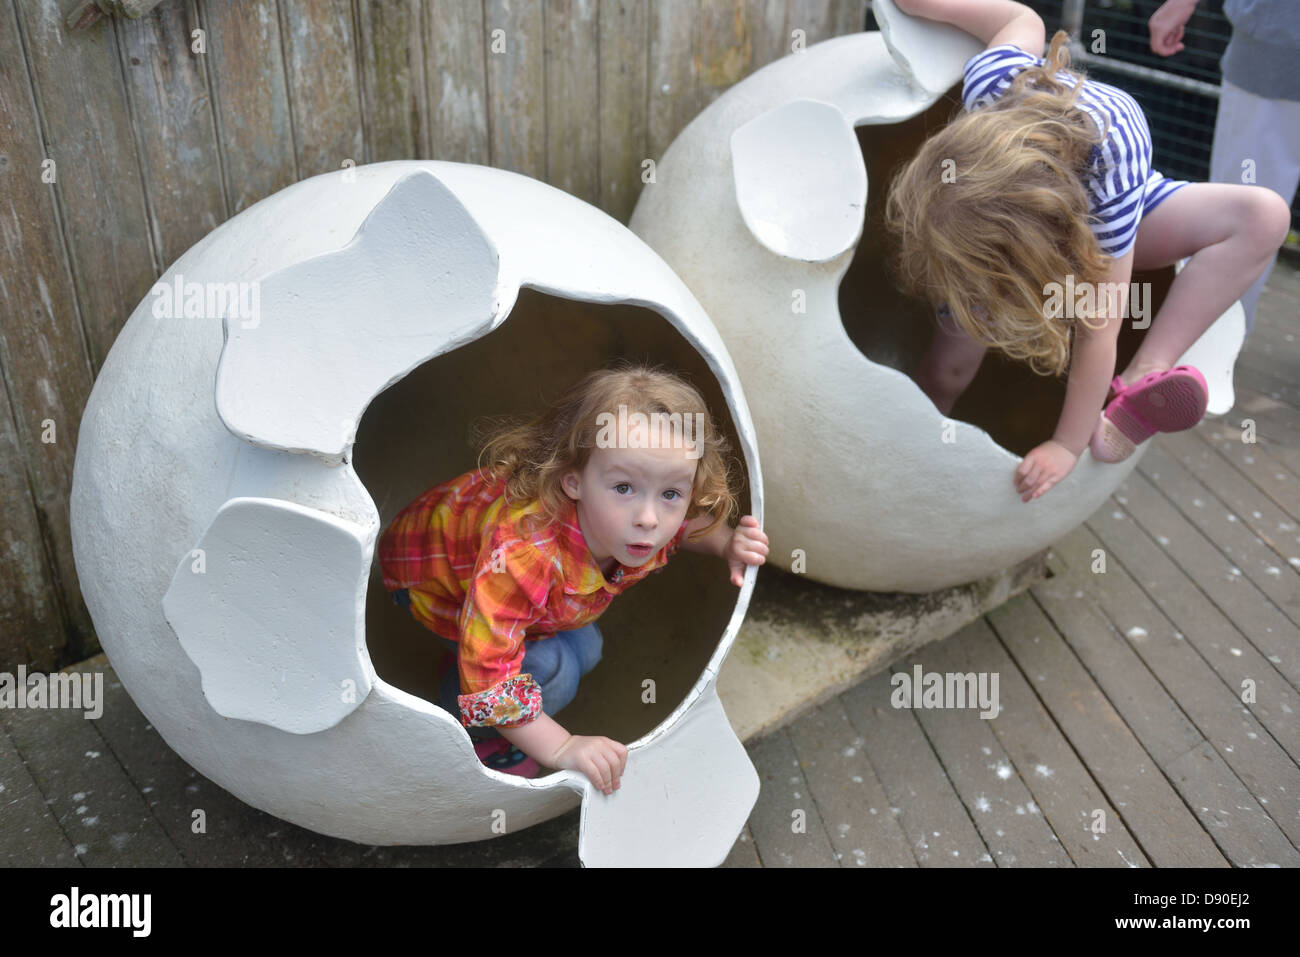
<point x="624" y="86"/>
<point x="172" y="116"/>
<point x="816" y="18"/>
<point x="848" y="16"/>
<point x="516" y="84"/>
<point x="572" y="72"/>
<point x="44" y="366"/>
<point x="674" y="92"/>
<point x="457" y="38"/>
<point x="768" y="40"/>
<point x="699" y="50"/>
<point x="81" y="102"/>
<point x="723" y="53"/>
<point x="246" y="75"/>
<point x="31" y="626"/>
<point x="395" y="107"/>
<point x="324" y="95"/>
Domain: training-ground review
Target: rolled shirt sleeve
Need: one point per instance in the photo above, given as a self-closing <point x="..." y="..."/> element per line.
<point x="507" y="594"/>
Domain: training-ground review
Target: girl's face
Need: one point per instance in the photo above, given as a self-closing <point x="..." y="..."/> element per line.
<point x="631" y="501"/>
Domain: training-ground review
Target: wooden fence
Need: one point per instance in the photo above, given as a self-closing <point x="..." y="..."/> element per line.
<point x="125" y="142"/>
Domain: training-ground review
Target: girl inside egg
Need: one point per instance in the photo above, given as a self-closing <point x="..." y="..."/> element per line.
<point x="511" y="564"/>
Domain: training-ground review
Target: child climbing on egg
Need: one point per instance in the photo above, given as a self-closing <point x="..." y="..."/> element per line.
<point x="512" y="563"/>
<point x="1043" y="183"/>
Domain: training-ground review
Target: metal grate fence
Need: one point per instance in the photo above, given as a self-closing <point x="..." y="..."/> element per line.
<point x="1179" y="94"/>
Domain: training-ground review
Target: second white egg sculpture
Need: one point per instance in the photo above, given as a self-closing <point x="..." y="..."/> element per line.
<point x="762" y="206"/>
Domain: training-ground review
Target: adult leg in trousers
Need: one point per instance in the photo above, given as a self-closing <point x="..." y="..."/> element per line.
<point x="1256" y="140"/>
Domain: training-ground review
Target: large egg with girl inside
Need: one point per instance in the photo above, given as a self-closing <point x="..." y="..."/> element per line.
<point x="237" y="466"/>
<point x="769" y="206"/>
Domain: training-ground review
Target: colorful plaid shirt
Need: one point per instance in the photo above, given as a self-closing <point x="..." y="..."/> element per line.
<point x="483" y="574"/>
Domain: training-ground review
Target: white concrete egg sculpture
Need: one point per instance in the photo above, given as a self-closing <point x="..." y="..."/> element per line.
<point x="763" y="206"/>
<point x="225" y="540"/>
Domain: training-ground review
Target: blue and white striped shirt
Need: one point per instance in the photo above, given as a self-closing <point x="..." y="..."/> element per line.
<point x="1120" y="184"/>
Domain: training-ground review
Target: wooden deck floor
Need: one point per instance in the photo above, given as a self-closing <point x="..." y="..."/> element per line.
<point x="1124" y="738"/>
<point x="1149" y="705"/>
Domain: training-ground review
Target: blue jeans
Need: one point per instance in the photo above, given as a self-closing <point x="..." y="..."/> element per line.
<point x="555" y="662"/>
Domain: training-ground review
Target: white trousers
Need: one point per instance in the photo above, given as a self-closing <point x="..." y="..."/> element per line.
<point x="1259" y="137"/>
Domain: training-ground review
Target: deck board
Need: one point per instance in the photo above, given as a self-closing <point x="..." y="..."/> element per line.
<point x="929" y="810"/>
<point x="1150" y="808"/>
<point x="1231" y="532"/>
<point x="980" y="768"/>
<point x="851" y="799"/>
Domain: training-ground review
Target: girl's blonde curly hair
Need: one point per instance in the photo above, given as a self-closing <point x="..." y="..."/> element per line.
<point x="1014" y="219"/>
<point x="533" y="456"/>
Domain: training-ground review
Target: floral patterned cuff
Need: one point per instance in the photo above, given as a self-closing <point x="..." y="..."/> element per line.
<point x="507" y="704"/>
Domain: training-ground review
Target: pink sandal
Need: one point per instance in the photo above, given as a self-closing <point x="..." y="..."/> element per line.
<point x="1169" y="400"/>
<point x="500" y="755"/>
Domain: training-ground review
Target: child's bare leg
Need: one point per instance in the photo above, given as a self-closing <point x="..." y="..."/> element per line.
<point x="1231" y="232"/>
<point x="948" y="366"/>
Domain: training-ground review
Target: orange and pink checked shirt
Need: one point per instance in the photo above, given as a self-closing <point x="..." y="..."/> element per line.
<point x="482" y="574"/>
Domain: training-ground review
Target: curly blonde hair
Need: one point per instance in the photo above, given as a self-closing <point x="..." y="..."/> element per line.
<point x="534" y="455"/>
<point x="1015" y="218"/>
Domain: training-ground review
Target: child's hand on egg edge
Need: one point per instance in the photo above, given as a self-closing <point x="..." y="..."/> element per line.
<point x="748" y="546"/>
<point x="603" y="760"/>
<point x="1042" y="468"/>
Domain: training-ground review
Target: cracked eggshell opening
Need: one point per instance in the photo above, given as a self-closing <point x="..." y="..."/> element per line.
<point x="869" y="486"/>
<point x="229" y="438"/>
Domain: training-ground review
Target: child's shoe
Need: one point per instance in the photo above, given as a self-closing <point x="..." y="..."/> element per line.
<point x="1170" y="400"/>
<point x="500" y="755"/>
